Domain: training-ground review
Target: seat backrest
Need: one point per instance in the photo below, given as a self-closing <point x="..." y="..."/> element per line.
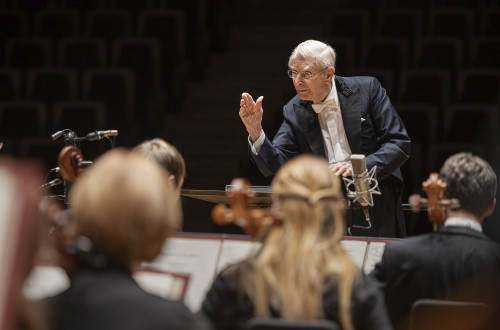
<point x="258" y="323"/>
<point x="430" y="314"/>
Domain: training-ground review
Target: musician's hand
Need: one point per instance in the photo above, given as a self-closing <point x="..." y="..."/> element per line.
<point x="251" y="114"/>
<point x="341" y="169"/>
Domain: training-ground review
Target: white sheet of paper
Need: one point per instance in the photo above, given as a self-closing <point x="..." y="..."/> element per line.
<point x="234" y="250"/>
<point x="356" y="250"/>
<point x="373" y="255"/>
<point x="196" y="257"/>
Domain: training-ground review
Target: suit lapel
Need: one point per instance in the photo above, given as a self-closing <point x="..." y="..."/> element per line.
<point x="309" y="123"/>
<point x="350" y="106"/>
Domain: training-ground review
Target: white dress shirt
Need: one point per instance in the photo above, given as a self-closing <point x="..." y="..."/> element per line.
<point x="332" y="128"/>
<point x="463" y="222"/>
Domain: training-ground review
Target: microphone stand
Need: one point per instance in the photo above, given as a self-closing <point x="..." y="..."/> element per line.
<point x="365" y="185"/>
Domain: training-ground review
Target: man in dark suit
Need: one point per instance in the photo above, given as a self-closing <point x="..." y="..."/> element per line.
<point x="335" y="117"/>
<point x="458" y="262"/>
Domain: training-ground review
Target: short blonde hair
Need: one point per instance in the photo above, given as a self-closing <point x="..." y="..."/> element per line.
<point x="166" y="155"/>
<point x="125" y="206"/>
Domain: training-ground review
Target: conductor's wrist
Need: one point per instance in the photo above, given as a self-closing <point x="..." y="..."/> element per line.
<point x="255" y="134"/>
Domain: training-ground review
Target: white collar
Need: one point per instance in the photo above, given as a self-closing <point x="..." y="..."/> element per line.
<point x="331" y="100"/>
<point x="464" y="222"/>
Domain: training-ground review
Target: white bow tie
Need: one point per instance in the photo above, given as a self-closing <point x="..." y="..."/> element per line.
<point x="318" y="107"/>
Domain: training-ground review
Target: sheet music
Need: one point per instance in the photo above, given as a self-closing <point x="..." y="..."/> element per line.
<point x="194" y="256"/>
<point x="233" y="251"/>
<point x="356" y="250"/>
<point x="373" y="255"/>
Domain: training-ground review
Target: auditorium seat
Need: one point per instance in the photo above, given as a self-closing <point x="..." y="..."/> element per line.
<point x="56" y="24"/>
<point x="42" y="148"/>
<point x="384" y="76"/>
<point x="10" y="80"/>
<point x="478" y="85"/>
<point x="488" y="22"/>
<point x="116" y="89"/>
<point x="279" y="324"/>
<point x="83" y="5"/>
<point x="27" y="53"/>
<point x="399" y="22"/>
<point x="349" y="23"/>
<point x="108" y="24"/>
<point x="451" y="22"/>
<point x="132" y="5"/>
<point x="421" y="121"/>
<point x="51" y="85"/>
<point x="197" y="34"/>
<point x="439" y="53"/>
<point x="439" y="152"/>
<point x="19" y="119"/>
<point x="385" y="52"/>
<point x="484" y="52"/>
<point x="142" y="56"/>
<point x="426" y="86"/>
<point x="347" y="54"/>
<point x="476" y="123"/>
<point x="432" y="314"/>
<point x="168" y="28"/>
<point x="82" y="53"/>
<point x="81" y="117"/>
<point x="13" y="24"/>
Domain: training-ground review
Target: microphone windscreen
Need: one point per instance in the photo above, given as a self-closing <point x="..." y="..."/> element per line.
<point x="358" y="163"/>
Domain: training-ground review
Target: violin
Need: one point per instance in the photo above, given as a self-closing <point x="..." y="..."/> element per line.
<point x="251" y="219"/>
<point x="436" y="205"/>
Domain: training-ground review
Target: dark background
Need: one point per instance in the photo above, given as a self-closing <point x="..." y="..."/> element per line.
<point x="176" y="69"/>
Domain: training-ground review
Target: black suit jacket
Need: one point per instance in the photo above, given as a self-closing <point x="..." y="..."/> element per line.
<point x="111" y="299"/>
<point x="373" y="128"/>
<point x="455" y="263"/>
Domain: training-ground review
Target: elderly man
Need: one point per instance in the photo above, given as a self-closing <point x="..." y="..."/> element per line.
<point x="458" y="262"/>
<point x="335" y="117"/>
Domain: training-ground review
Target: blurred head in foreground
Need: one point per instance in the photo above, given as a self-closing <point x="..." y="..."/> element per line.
<point x="125" y="206"/>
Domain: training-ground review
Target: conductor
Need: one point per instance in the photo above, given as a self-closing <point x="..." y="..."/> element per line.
<point x="334" y="117"/>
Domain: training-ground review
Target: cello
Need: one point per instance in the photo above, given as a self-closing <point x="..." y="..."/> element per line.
<point x="435" y="202"/>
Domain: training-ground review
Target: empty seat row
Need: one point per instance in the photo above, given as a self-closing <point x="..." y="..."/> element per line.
<point x="400" y="21"/>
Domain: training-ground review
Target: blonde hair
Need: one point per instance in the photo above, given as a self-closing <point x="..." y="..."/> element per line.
<point x="303" y="255"/>
<point x="167" y="155"/>
<point x="125" y="206"/>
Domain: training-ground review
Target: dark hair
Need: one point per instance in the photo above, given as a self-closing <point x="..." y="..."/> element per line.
<point x="471" y="180"/>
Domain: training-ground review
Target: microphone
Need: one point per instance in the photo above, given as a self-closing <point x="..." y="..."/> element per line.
<point x="365" y="186"/>
<point x="99" y="135"/>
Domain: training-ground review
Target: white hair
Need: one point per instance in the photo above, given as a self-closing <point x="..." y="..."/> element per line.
<point x="323" y="54"/>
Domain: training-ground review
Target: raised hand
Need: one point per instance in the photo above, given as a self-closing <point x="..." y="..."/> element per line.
<point x="251" y="114"/>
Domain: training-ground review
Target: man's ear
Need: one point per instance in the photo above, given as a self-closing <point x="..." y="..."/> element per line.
<point x="331" y="72"/>
<point x="490" y="209"/>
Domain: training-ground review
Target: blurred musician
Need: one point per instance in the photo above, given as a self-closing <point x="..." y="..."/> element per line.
<point x="123" y="210"/>
<point x="167" y="156"/>
<point x="301" y="271"/>
<point x="456" y="263"/>
<point x="22" y="235"/>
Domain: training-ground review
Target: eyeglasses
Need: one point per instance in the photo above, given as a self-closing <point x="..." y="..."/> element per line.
<point x="305" y="75"/>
